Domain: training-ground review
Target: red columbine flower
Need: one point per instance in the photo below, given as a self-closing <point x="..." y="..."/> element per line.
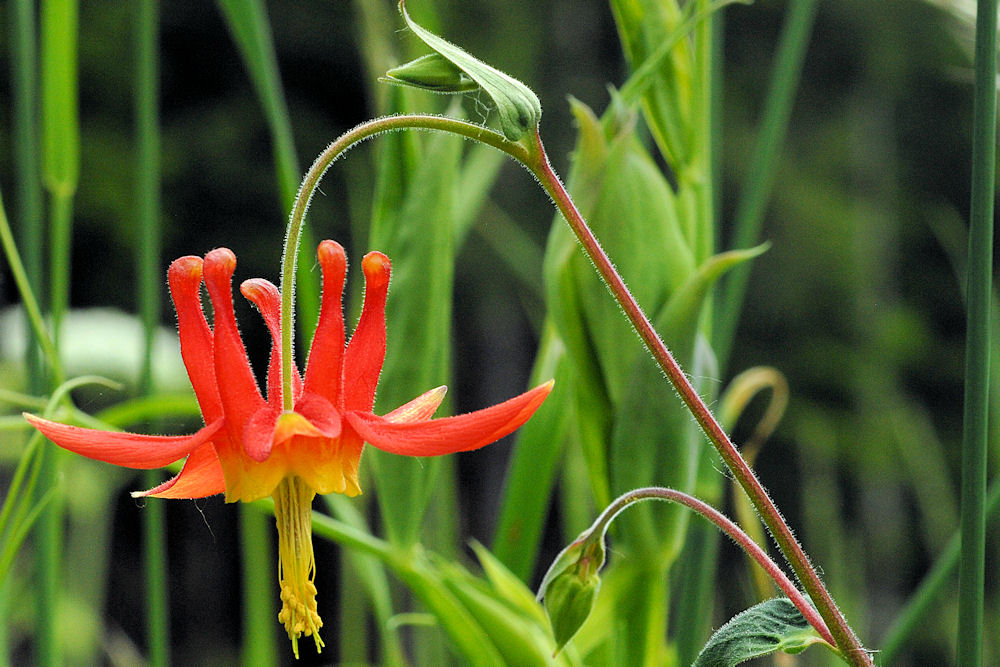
<point x="251" y="448"/>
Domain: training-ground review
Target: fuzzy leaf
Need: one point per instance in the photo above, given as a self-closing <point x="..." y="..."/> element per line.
<point x="774" y="625"/>
<point x="517" y="106"/>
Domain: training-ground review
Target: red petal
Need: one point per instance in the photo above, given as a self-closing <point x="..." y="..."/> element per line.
<point x="263" y="294"/>
<point x="201" y="476"/>
<point x="451" y="434"/>
<point x="237" y="388"/>
<point x="258" y="434"/>
<point x="184" y="277"/>
<point x="320" y="413"/>
<point x="366" y="351"/>
<point x="325" y="367"/>
<point x="124" y="449"/>
<point x="313" y="417"/>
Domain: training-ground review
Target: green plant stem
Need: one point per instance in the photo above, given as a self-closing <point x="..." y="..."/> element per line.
<point x="971" y="575"/>
<point x="154" y="524"/>
<point x="260" y="645"/>
<point x="701" y="166"/>
<point x="533" y="157"/>
<point x="60" y="226"/>
<point x="60" y="140"/>
<point x="154" y="547"/>
<point x="756" y="189"/>
<point x="147" y="193"/>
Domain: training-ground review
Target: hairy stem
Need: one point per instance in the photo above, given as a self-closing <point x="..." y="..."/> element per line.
<point x="730" y="528"/>
<point x="530" y="153"/>
<point x="311" y="181"/>
<point x="846" y="640"/>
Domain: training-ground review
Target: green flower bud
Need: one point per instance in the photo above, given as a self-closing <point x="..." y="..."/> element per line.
<point x="569" y="599"/>
<point x="569" y="589"/>
<point x="432" y="72"/>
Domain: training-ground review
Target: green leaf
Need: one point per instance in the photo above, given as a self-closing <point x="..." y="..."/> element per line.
<point x="534" y="467"/>
<point x="469" y="638"/>
<point x="774" y="625"/>
<point x="518" y="107"/>
<point x="507" y="586"/>
<point x="644" y="26"/>
<point x="414" y="227"/>
<point x="519" y="638"/>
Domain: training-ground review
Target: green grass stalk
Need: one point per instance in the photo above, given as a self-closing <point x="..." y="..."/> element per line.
<point x="147" y="203"/>
<point x="703" y="127"/>
<point x="60" y="162"/>
<point x="977" y="351"/>
<point x="28" y="195"/>
<point x="757" y="188"/>
<point x="260" y="643"/>
<point x="248" y="23"/>
<point x="914" y="615"/>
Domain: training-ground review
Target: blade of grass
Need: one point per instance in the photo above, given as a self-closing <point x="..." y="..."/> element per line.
<point x="60" y="173"/>
<point x="369" y="572"/>
<point x="248" y="22"/>
<point x="911" y="619"/>
<point x="760" y="179"/>
<point x="28" y="300"/>
<point x="28" y="195"/>
<point x="148" y="218"/>
<point x="971" y="576"/>
<point x="60" y="139"/>
<point x="260" y="645"/>
<point x="534" y="464"/>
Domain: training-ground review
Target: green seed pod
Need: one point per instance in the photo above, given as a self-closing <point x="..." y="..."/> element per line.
<point x="569" y="600"/>
<point x="432" y="72"/>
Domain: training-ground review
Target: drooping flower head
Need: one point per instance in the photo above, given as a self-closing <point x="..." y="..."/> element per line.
<point x="252" y="447"/>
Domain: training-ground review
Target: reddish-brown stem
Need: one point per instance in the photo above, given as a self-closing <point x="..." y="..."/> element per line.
<point x="846" y="640"/>
<point x="531" y="154"/>
<point x="737" y="534"/>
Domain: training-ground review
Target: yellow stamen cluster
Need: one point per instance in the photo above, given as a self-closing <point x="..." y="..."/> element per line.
<point x="296" y="563"/>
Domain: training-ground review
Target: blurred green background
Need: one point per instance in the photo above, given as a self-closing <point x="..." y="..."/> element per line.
<point x="857" y="302"/>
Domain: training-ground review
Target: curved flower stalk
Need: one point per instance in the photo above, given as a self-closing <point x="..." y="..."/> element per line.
<point x="252" y="447"/>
